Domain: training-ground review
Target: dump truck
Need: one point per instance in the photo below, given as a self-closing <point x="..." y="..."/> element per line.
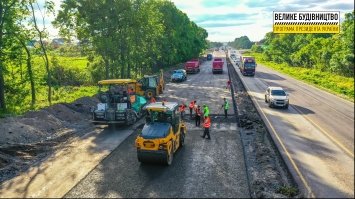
<point x="247" y="65"/>
<point x="162" y="135"/>
<point x="192" y="66"/>
<point x="217" y="65"/>
<point x="118" y="102"/>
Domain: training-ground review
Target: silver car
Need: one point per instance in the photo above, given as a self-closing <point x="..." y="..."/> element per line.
<point x="277" y="97"/>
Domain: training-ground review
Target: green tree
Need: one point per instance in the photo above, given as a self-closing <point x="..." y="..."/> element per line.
<point x="242" y="43"/>
<point x="326" y="52"/>
<point x="133" y="37"/>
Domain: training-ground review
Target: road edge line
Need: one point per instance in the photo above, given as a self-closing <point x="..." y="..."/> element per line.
<point x="335" y="141"/>
<point x="295" y="172"/>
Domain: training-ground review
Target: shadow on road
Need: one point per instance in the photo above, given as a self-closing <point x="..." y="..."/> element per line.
<point x="268" y="76"/>
<point x="302" y="110"/>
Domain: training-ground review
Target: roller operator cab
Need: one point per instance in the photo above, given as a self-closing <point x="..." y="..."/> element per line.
<point x="162" y="135"/>
<point x="119" y="103"/>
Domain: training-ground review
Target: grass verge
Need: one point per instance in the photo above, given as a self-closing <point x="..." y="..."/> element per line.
<point x="336" y="84"/>
<point x="64" y="94"/>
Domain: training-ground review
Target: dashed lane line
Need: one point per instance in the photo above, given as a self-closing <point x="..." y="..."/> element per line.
<point x="305" y="183"/>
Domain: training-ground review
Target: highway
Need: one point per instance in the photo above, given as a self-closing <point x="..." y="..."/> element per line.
<point x="202" y="168"/>
<point x="315" y="135"/>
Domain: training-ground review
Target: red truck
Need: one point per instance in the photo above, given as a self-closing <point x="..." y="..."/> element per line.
<point x="192" y="66"/>
<point x="217" y="65"/>
<point x="247" y="65"/>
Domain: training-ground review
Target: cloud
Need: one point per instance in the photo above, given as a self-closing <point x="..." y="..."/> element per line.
<point x="218" y="3"/>
<point x="262" y="3"/>
<point x="214" y="25"/>
<point x="221" y="17"/>
<point x="225" y="20"/>
<point x="339" y="6"/>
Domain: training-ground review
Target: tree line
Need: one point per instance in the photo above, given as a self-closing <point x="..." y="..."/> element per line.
<point x="121" y="39"/>
<point x="326" y="52"/>
<point x="132" y="37"/>
<point x="242" y="42"/>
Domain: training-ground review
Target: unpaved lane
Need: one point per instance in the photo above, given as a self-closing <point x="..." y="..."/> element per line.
<point x="202" y="168"/>
<point x="56" y="175"/>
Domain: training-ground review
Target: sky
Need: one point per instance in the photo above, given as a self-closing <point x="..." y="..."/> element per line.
<point x="226" y="20"/>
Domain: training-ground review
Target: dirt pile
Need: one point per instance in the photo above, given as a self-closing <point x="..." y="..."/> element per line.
<point x="47" y="123"/>
<point x="28" y="138"/>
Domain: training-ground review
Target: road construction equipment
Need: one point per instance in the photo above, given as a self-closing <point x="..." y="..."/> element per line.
<point x="118" y="102"/>
<point x="162" y="135"/>
<point x="151" y="85"/>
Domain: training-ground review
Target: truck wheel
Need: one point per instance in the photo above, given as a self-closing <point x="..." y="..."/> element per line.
<point x="286" y="106"/>
<point x="170" y="156"/>
<point x="149" y="93"/>
<point x="182" y="138"/>
<point x="131" y="118"/>
<point x="140" y="158"/>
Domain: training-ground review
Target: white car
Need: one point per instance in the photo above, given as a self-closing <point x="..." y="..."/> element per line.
<point x="277" y="97"/>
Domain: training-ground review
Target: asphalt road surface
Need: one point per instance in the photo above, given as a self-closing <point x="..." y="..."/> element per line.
<point x="316" y="133"/>
<point x="202" y="168"/>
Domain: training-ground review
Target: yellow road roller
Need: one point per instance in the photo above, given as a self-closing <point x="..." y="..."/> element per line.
<point x="162" y="135"/>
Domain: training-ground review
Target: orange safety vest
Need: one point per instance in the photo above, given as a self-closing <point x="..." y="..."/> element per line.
<point x="152" y="100"/>
<point x="192" y="104"/>
<point x="182" y="108"/>
<point x="207" y="123"/>
<point x="130" y="91"/>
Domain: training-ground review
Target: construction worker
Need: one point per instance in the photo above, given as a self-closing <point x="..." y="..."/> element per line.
<point x="206" y="125"/>
<point x="164" y="101"/>
<point x="152" y="100"/>
<point x="198" y="114"/>
<point x="206" y="111"/>
<point x="228" y="84"/>
<point x="130" y="90"/>
<point x="226" y="107"/>
<point x="191" y="106"/>
<point x="182" y="110"/>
